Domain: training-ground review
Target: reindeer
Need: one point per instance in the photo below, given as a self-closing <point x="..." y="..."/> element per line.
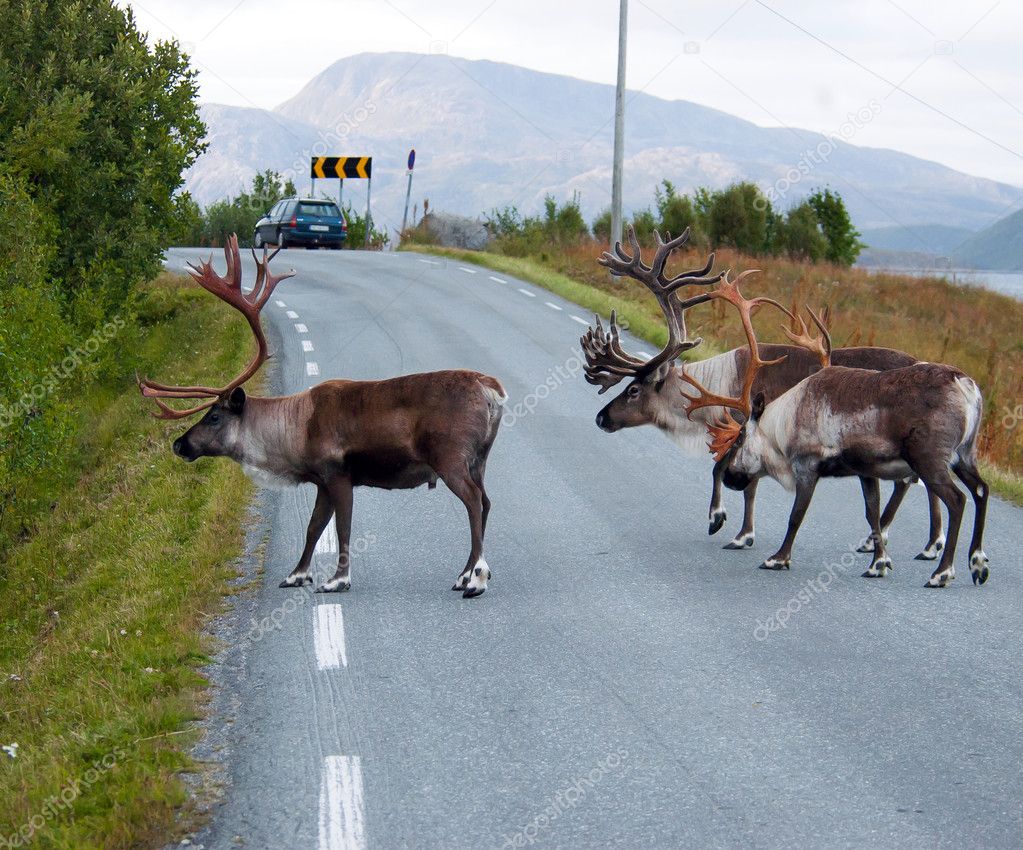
<point x="339" y="435"/>
<point x="654" y="396"/>
<point x="919" y="421"/>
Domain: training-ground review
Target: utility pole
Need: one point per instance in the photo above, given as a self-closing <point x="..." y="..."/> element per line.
<point x="619" y="150"/>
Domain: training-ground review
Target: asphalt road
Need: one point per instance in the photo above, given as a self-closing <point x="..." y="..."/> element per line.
<point x="623" y="682"/>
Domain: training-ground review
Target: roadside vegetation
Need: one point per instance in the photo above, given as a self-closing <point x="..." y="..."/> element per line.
<point x="102" y="603"/>
<point x="212" y="225"/>
<point x="974" y="329"/>
<point x="112" y="552"/>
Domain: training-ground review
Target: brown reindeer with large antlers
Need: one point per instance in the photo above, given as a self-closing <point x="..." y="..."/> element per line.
<point x="395" y="434"/>
<point x="654" y="393"/>
<point x="921" y="420"/>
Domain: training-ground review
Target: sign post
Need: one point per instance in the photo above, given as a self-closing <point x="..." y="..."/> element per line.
<point x="340" y="167"/>
<point x="408" y="192"/>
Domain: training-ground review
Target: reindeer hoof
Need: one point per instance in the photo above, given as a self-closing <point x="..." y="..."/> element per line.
<point x="744" y="541"/>
<point x="297" y="581"/>
<point x="941" y="579"/>
<point x="978" y="567"/>
<point x="866" y="547"/>
<point x="717" y="520"/>
<point x="476" y="580"/>
<point x="472" y="592"/>
<point x="335" y="585"/>
<point x="878" y="569"/>
<point x="931" y="552"/>
<point x="771" y="564"/>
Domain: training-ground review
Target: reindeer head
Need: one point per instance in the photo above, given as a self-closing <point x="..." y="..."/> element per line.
<point x="217" y="433"/>
<point x="607" y="363"/>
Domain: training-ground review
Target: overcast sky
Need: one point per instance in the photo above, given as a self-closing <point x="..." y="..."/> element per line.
<point x="948" y="77"/>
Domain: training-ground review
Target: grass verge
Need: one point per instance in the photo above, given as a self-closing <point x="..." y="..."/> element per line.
<point x="102" y="607"/>
<point x="975" y="329"/>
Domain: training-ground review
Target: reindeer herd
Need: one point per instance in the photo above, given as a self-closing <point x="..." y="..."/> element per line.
<point x="796" y="413"/>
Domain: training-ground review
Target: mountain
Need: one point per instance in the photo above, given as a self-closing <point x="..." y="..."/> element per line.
<point x="938" y="239"/>
<point x="997" y="248"/>
<point x="488" y="134"/>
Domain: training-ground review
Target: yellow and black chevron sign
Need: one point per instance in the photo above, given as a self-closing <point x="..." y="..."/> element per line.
<point x="341" y="166"/>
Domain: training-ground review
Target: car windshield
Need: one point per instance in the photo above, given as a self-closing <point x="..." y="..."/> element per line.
<point x="320" y="209"/>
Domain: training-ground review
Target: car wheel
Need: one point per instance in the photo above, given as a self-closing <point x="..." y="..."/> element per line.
<point x="280" y="240"/>
<point x="257" y="240"/>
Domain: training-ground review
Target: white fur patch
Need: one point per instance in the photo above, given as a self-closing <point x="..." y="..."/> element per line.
<point x="263" y="478"/>
<point x="479" y="576"/>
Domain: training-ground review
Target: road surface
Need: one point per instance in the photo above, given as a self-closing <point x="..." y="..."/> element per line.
<point x="623" y="682"/>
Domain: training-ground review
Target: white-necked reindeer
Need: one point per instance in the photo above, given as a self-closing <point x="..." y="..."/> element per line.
<point x="395" y="434"/>
<point x="653" y="395"/>
<point x="921" y="420"/>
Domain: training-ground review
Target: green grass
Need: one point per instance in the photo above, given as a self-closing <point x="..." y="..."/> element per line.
<point x="933" y="319"/>
<point x="102" y="607"/>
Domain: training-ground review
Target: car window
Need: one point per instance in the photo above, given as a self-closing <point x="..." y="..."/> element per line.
<point x="276" y="208"/>
<point x="288" y="209"/>
<point x="318" y="208"/>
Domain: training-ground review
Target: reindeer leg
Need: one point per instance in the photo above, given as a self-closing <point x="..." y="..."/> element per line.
<point x="342" y="494"/>
<point x="718" y="515"/>
<point x="940" y="483"/>
<point x="887" y="516"/>
<point x="881" y="563"/>
<point x="473" y="578"/>
<point x="317" y="522"/>
<point x="936" y="539"/>
<point x="746" y="536"/>
<point x="782" y="559"/>
<point x="968" y="474"/>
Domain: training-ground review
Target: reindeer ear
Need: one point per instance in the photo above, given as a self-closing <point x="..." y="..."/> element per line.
<point x="758" y="406"/>
<point x="236" y="401"/>
<point x="662" y="372"/>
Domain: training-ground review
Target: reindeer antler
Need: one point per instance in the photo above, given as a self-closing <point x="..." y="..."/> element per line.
<point x="249" y="304"/>
<point x="820" y="345"/>
<point x="726" y="431"/>
<point x="606" y="361"/>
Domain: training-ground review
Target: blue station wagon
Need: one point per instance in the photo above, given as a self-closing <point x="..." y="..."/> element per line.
<point x="311" y="222"/>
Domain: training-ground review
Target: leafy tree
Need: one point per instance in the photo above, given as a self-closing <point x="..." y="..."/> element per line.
<point x="564" y="223"/>
<point x="100" y="127"/>
<point x="843" y="240"/>
<point x="802" y="238"/>
<point x="738" y="217"/>
<point x="677" y="212"/>
<point x="601" y="226"/>
<point x="644" y="223"/>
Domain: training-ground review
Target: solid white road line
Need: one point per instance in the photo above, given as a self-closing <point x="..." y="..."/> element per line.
<point x="527" y="292"/>
<point x="307" y="345"/>
<point x="302" y="329"/>
<point x="329" y="637"/>
<point x="552" y="306"/>
<point x="292" y="314"/>
<point x="497" y="279"/>
<point x="312" y="369"/>
<point x="580" y="321"/>
<point x="467" y="271"/>
<point x="643" y="354"/>
<point x="280" y="303"/>
<point x="327" y="544"/>
<point x="342" y="822"/>
<point x="428" y="262"/>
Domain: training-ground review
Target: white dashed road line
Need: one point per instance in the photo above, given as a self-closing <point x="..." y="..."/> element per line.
<point x="467" y="271"/>
<point x="280" y="303"/>
<point x="527" y="292"/>
<point x="302" y="329"/>
<point x="552" y="306"/>
<point x="497" y="279"/>
<point x="580" y="321"/>
<point x="307" y="345"/>
<point x="327" y="544"/>
<point x="643" y="354"/>
<point x="292" y="314"/>
<point x="428" y="262"/>
<point x="329" y="637"/>
<point x="312" y="369"/>
<point x="342" y="822"/>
